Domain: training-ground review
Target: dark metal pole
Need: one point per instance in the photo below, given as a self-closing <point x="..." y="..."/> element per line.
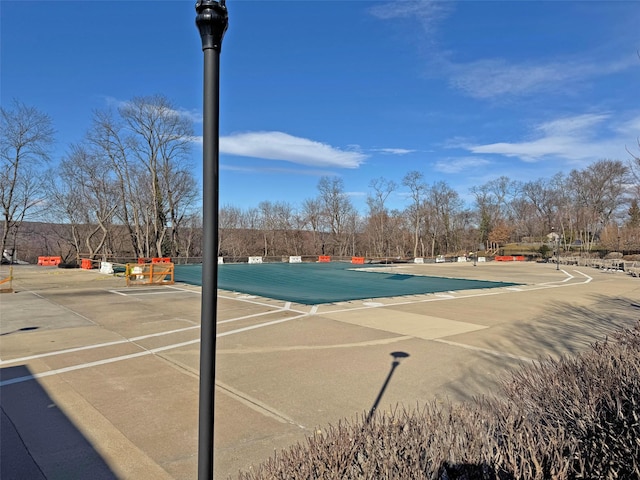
<point x="212" y="22"/>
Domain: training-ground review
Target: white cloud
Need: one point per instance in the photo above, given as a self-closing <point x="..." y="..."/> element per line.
<point x="275" y="170"/>
<point x="492" y="78"/>
<point x="355" y="194"/>
<point x="630" y="127"/>
<point x="428" y="12"/>
<point x="457" y="165"/>
<point x="194" y="115"/>
<point x="489" y="78"/>
<point x="578" y="138"/>
<point x="574" y="125"/>
<point x="285" y="147"/>
<point x="393" y="151"/>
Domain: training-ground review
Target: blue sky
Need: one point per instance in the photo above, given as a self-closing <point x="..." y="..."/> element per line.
<point x="463" y="91"/>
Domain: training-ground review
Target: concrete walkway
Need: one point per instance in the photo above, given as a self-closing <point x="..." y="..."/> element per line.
<point x="98" y="380"/>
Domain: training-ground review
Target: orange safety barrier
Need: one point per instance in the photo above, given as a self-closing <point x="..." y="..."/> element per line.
<point x="510" y="258"/>
<point x="150" y="274"/>
<point x="161" y="260"/>
<point x="49" y="261"/>
<point x="324" y="258"/>
<point x="8" y="281"/>
<point x="86" y="264"/>
<point x="357" y="260"/>
<point x="142" y="261"/>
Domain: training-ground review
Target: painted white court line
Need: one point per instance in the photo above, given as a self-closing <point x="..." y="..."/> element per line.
<point x="139" y="293"/>
<point x="246" y="300"/>
<point x="497" y="291"/>
<point x="260" y="325"/>
<point x="584" y="275"/>
<point x="143" y="353"/>
<point x="95" y="364"/>
<point x="313" y="311"/>
<point x="143" y="337"/>
<point x="569" y="277"/>
<point x="254" y="315"/>
<point x="97" y="345"/>
<point x="158" y="289"/>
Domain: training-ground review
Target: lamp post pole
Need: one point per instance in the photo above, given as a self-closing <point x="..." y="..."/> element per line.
<point x="212" y="22"/>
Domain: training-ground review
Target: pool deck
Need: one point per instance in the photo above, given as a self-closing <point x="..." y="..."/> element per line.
<point x="98" y="380"/>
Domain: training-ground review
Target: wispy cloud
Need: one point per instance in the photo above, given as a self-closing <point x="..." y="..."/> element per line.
<point x="393" y="151"/>
<point x="193" y="115"/>
<point x="356" y="194"/>
<point x="490" y="78"/>
<point x="460" y="164"/>
<point x="252" y="170"/>
<point x="427" y="12"/>
<point x="582" y="137"/>
<point x="288" y="148"/>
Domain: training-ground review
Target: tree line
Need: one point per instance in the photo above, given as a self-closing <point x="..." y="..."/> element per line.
<point x="126" y="189"/>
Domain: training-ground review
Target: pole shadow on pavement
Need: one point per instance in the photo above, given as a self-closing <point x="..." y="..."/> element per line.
<point x="397" y="356"/>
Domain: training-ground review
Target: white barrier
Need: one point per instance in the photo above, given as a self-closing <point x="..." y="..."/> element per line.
<point x="462" y="259"/>
<point x="295" y="259"/>
<point x="106" y="268"/>
<point x="220" y="260"/>
<point x="137" y="270"/>
<point x="482" y="259"/>
<point x="440" y="259"/>
<point x="418" y="260"/>
<point x="255" y="259"/>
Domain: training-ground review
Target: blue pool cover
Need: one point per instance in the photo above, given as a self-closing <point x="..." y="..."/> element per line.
<point x="317" y="283"/>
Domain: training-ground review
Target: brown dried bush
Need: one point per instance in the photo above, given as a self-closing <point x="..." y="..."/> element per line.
<point x="573" y="418"/>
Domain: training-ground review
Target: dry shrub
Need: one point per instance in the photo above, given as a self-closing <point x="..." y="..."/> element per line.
<point x="559" y="419"/>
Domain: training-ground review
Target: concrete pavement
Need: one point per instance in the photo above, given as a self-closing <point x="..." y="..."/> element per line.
<point x="97" y="377"/>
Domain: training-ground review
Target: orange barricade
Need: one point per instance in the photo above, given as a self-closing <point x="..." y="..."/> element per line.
<point x="49" y="261"/>
<point x="324" y="258"/>
<point x="161" y="260"/>
<point x="86" y="264"/>
<point x="357" y="260"/>
<point x="150" y="274"/>
<point x="510" y="258"/>
<point x="142" y="261"/>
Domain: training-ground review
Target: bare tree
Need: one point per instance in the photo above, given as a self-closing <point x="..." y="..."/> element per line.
<point x="337" y="210"/>
<point x="26" y="136"/>
<point x="146" y="146"/>
<point x="378" y="221"/>
<point x="85" y="200"/>
<point x="414" y="180"/>
<point x="599" y="191"/>
<point x="447" y="205"/>
<point x="160" y="139"/>
<point x="543" y="195"/>
<point x="312" y="219"/>
<point x="229" y="221"/>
